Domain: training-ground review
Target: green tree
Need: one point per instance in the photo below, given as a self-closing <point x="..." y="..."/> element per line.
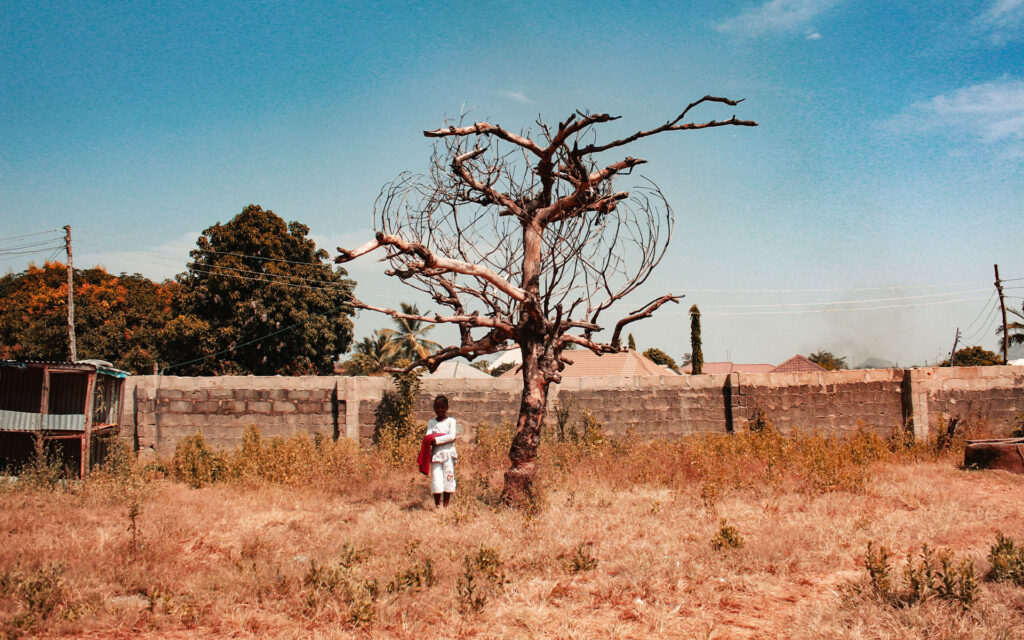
<point x="410" y="334"/>
<point x="631" y="343"/>
<point x="117" y="318"/>
<point x="828" y="361"/>
<point x="259" y="299"/>
<point x="1015" y="327"/>
<point x="657" y="356"/>
<point x="975" y="356"/>
<point x="696" y="355"/>
<point x="373" y="355"/>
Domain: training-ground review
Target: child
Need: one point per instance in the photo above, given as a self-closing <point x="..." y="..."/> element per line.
<point x="443" y="454"/>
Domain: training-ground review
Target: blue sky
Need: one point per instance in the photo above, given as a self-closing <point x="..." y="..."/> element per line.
<point x="887" y="170"/>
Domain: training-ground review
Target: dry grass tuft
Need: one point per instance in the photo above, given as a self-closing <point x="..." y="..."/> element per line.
<point x="305" y="537"/>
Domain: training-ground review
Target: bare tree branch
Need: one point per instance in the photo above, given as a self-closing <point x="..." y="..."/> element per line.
<point x="644" y="312"/>
<point x="431" y="261"/>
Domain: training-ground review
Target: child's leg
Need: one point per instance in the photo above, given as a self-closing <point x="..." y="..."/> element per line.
<point x="447" y="497"/>
<point x="437" y="481"/>
<point x="449" y="480"/>
<point x="437" y="499"/>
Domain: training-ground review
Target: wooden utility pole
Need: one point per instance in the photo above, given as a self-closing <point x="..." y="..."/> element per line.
<point x="1002" y="307"/>
<point x="955" y="341"/>
<point x="71" y="296"/>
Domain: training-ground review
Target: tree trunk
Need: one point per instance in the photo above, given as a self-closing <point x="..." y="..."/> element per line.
<point x="519" y="479"/>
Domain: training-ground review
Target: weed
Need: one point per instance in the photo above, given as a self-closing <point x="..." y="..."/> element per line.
<point x="759" y="423"/>
<point x="196" y="463"/>
<point x="1018" y="428"/>
<point x="1006" y="560"/>
<point x="43" y="590"/>
<point x="582" y="559"/>
<point x="134" y="511"/>
<point x="420" y="575"/>
<point x="727" y="537"/>
<point x="325" y="582"/>
<point x="483" y="575"/>
<point x="563" y="413"/>
<point x="951" y="579"/>
<point x="43" y="470"/>
<point x="879" y="571"/>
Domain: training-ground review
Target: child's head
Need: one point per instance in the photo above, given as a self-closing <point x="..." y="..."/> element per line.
<point x="441" y="407"/>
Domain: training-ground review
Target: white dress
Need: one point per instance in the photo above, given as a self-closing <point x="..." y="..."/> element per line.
<point x="443" y="456"/>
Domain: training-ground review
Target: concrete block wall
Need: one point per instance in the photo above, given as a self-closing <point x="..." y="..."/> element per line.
<point x="839" y="402"/>
<point x="993" y="396"/>
<point x="163" y="409"/>
<point x="160" y="410"/>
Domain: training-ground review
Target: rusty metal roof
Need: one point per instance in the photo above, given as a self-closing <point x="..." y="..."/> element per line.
<point x="99" y="366"/>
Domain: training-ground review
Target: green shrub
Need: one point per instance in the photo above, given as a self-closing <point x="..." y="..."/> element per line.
<point x="196" y="463"/>
<point x="1006" y="561"/>
<point x="727" y="537"/>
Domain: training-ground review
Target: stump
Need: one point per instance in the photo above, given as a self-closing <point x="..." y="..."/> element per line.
<point x="1003" y="453"/>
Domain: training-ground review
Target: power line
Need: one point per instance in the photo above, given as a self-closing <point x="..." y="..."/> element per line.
<point x="29" y="235"/>
<point x="885" y="288"/>
<point x="254" y="341"/>
<point x="27" y="246"/>
<point x="246" y="255"/>
<point x="986" y="325"/>
<point x="980" y="313"/>
<point x="30" y="251"/>
<point x="841" y="302"/>
<point x="833" y="310"/>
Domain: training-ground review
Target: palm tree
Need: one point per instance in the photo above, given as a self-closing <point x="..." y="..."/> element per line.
<point x="1015" y="328"/>
<point x="372" y="355"/>
<point x="409" y="335"/>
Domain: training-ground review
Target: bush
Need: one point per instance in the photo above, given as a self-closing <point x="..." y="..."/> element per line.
<point x="196" y="463"/>
<point x="727" y="537"/>
<point x="949" y="579"/>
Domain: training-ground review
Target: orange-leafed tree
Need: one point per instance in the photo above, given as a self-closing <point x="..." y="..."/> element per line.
<point x="117" y="318"/>
<point x="524" y="239"/>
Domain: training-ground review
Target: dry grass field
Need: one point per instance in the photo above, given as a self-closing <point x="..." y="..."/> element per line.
<point x="744" y="536"/>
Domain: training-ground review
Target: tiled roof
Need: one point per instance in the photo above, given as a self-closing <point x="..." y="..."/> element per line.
<point x="730" y="367"/>
<point x="586" y="363"/>
<point x="797" y="364"/>
<point x="457" y="369"/>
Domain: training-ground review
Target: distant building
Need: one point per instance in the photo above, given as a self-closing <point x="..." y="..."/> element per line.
<point x="586" y="363"/>
<point x="456" y="369"/>
<point x="798" y="364"/>
<point x="795" y="364"/>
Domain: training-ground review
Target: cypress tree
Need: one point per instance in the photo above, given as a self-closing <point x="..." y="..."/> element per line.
<point x="631" y="343"/>
<point x="697" y="358"/>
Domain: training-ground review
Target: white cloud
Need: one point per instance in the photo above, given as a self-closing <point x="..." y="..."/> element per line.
<point x="1003" y="21"/>
<point x="774" y="16"/>
<point x="814" y="36"/>
<point x="991" y="112"/>
<point x="518" y="96"/>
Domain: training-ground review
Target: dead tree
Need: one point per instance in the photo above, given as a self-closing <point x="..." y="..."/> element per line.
<point x="527" y="243"/>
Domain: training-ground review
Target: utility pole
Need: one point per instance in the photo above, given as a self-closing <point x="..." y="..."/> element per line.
<point x="71" y="296"/>
<point x="1002" y="307"/>
<point x="955" y="341"/>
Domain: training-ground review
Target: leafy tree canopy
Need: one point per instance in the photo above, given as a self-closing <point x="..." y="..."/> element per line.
<point x="117" y="318"/>
<point x="828" y="361"/>
<point x="658" y="356"/>
<point x="975" y="356"/>
<point x="259" y="295"/>
<point x="373" y="355"/>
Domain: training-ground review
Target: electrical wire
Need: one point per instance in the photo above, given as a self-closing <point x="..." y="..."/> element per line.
<point x="246" y="255"/>
<point x="890" y="306"/>
<point x="841" y="302"/>
<point x="29" y="235"/>
<point x="886" y="288"/>
<point x="29" y="252"/>
<point x="27" y="246"/>
<point x="985" y="326"/>
<point x="991" y="300"/>
<point x="254" y="341"/>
